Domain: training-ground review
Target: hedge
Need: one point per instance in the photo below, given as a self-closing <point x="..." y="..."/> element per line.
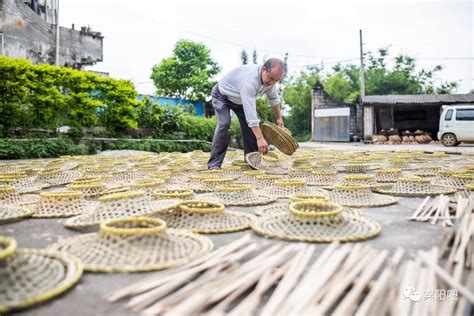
<point x="155" y="145"/>
<point x="53" y="148"/>
<point x="40" y="148"/>
<point x="45" y="96"/>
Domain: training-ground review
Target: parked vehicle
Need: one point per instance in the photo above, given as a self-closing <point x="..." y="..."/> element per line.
<point x="456" y="124"/>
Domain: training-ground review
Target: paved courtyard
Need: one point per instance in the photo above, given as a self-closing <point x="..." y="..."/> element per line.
<point x="86" y="298"/>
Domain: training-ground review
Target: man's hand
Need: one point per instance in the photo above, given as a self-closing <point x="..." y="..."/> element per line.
<point x="261" y="142"/>
<point x="262" y="145"/>
<point x="280" y="122"/>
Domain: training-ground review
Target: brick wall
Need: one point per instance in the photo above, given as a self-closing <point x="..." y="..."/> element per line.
<point x="321" y="100"/>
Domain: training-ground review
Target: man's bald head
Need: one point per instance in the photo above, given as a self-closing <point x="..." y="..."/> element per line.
<point x="272" y="71"/>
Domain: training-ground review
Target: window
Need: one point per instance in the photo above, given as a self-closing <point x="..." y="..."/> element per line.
<point x="465" y="114"/>
<point x="449" y="115"/>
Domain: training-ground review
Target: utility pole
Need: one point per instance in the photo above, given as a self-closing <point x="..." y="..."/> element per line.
<point x="368" y="124"/>
<point x="2" y="44"/>
<point x="57" y="33"/>
<point x="362" y="78"/>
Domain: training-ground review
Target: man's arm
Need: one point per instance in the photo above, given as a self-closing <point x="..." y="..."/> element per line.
<point x="247" y="94"/>
<point x="275" y="101"/>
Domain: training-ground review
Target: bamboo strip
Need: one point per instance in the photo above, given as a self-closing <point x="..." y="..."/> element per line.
<point x="223" y="306"/>
<point x="461" y="307"/>
<point x="357" y="254"/>
<point x="319" y="273"/>
<point x="252" y="275"/>
<point x="348" y="304"/>
<point x="288" y="282"/>
<point x="409" y="279"/>
<point x="177" y="281"/>
<point x="433" y="284"/>
<point x="293" y="297"/>
<point x="436" y="211"/>
<point x="447" y="217"/>
<point x="449" y="305"/>
<point x="390" y="305"/>
<point x="447" y="278"/>
<point x="183" y="293"/>
<point x="466" y="229"/>
<point x="419" y="307"/>
<point x="140" y="302"/>
<point x="158" y="278"/>
<point x="215" y="292"/>
<point x="457" y="237"/>
<point x="336" y="288"/>
<point x="367" y="306"/>
<point x="249" y="305"/>
<point x="420" y="208"/>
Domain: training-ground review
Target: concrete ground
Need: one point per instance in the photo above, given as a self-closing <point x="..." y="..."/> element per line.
<point x="469" y="148"/>
<point x="86" y="298"/>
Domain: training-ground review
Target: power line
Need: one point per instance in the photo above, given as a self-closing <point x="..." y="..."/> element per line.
<point x="238" y="45"/>
<point x="393" y="58"/>
<point x="243" y="46"/>
<point x="445" y="58"/>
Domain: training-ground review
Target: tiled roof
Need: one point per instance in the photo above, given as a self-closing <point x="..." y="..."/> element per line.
<point x="429" y="99"/>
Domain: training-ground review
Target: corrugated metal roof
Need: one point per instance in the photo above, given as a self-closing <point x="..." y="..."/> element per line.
<point x="428" y="99"/>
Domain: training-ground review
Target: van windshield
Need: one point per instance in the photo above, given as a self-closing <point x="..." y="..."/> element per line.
<point x="449" y="115"/>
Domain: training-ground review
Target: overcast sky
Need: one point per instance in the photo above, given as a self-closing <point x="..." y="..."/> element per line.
<point x="140" y="33"/>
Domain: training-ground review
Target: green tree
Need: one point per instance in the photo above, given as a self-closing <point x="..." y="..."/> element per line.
<point x="119" y="97"/>
<point x="297" y="96"/>
<point x="342" y="84"/>
<point x="188" y="73"/>
<point x="244" y="57"/>
<point x="45" y="96"/>
<point x="149" y="114"/>
<point x="402" y="78"/>
<point x="340" y="89"/>
<point x="254" y="57"/>
<point x="265" y="111"/>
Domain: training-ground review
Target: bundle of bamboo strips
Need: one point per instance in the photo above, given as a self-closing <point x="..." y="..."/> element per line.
<point x="459" y="242"/>
<point x="244" y="278"/>
<point x="217" y="280"/>
<point x="434" y="210"/>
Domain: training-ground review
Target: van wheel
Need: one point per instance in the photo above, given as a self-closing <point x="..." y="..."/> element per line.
<point x="449" y="140"/>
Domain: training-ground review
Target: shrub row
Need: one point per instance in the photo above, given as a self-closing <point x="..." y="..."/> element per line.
<point x="53" y="148"/>
<point x="45" y="97"/>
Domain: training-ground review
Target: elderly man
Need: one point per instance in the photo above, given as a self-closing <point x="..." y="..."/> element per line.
<point x="238" y="92"/>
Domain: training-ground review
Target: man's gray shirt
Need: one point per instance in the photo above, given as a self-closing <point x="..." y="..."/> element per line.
<point x="243" y="85"/>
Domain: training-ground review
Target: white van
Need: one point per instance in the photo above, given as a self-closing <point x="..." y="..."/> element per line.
<point x="456" y="124"/>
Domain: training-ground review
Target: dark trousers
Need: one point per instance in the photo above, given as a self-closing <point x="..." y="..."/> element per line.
<point x="220" y="141"/>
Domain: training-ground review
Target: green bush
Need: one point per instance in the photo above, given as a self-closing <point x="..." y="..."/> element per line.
<point x="195" y="127"/>
<point x="40" y="148"/>
<point x="53" y="148"/>
<point x="175" y="122"/>
<point x="154" y="145"/>
<point x="45" y="96"/>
